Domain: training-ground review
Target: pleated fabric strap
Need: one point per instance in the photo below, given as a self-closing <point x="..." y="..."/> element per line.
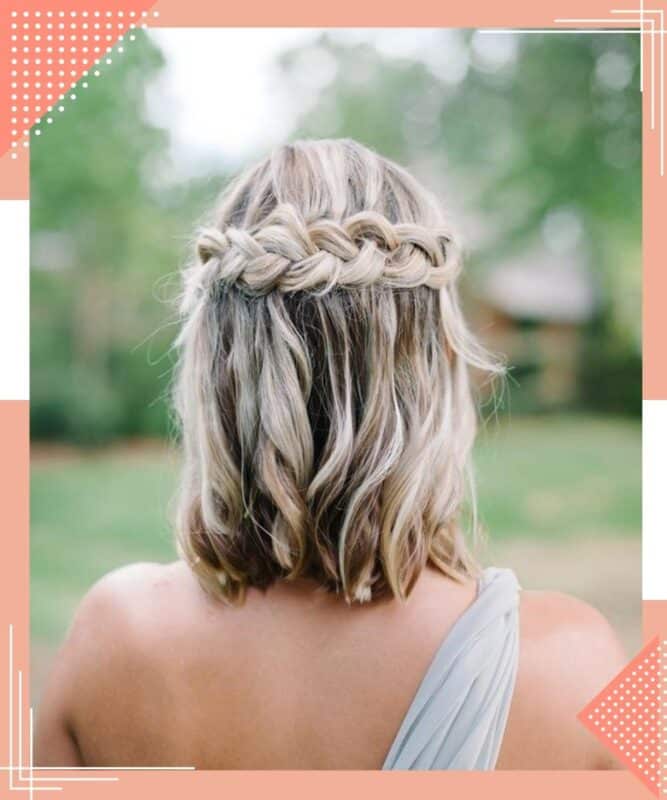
<point x="457" y="718"/>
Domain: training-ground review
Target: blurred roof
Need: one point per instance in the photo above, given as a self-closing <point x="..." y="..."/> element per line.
<point x="543" y="286"/>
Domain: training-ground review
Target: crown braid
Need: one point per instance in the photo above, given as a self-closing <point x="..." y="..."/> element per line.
<point x="287" y="254"/>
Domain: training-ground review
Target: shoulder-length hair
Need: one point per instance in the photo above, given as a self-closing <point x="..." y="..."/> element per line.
<point x="323" y="385"/>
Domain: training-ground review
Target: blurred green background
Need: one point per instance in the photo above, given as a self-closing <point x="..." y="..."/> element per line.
<point x="533" y="143"/>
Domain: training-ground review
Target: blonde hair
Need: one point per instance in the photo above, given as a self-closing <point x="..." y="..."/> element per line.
<point x="323" y="384"/>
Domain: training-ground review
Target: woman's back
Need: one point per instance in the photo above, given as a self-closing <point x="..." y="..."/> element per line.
<point x="157" y="673"/>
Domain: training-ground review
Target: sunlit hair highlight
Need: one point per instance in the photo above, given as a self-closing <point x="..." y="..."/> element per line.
<point x="323" y="386"/>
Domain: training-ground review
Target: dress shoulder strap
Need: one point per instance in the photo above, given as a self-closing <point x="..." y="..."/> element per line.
<point x="457" y="718"/>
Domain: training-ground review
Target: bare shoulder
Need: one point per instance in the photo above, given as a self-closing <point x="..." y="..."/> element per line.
<point x="142" y="579"/>
<point x="136" y="615"/>
<point x="125" y="604"/>
<point x="549" y="615"/>
<point x="138" y="590"/>
<point x="119" y="630"/>
<point x="568" y="653"/>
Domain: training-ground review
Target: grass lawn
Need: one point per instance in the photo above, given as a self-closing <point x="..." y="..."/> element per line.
<point x="561" y="479"/>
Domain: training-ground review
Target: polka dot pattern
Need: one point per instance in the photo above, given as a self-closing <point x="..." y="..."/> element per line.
<point x="629" y="714"/>
<point x="54" y="55"/>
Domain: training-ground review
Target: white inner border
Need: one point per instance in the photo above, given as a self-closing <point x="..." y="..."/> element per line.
<point x="654" y="502"/>
<point x="15" y="300"/>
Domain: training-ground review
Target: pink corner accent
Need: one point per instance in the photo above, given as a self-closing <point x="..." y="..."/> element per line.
<point x="626" y="715"/>
<point x="50" y="49"/>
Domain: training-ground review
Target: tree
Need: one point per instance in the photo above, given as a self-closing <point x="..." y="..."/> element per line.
<point x="107" y="233"/>
<point x="529" y="138"/>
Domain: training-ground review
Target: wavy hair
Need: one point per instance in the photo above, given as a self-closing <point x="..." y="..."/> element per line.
<point x="323" y="382"/>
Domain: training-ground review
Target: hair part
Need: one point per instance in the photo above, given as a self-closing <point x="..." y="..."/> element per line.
<point x="323" y="385"/>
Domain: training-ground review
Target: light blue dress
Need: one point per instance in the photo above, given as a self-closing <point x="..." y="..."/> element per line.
<point x="458" y="716"/>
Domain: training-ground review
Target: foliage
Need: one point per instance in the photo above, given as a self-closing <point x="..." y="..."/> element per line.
<point x="528" y="138"/>
<point x="106" y="237"/>
<point x="527" y="124"/>
<point x="533" y="140"/>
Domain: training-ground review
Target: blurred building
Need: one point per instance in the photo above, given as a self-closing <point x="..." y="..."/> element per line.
<point x="533" y="309"/>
